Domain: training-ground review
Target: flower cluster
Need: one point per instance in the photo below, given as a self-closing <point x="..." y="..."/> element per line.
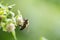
<point x="9" y="20"/>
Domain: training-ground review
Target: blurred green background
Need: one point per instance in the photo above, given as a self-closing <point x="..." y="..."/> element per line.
<point x="44" y="17"/>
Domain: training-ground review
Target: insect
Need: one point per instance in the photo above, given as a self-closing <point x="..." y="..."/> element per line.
<point x="25" y="24"/>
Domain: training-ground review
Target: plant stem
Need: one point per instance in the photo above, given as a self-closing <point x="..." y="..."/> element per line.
<point x="14" y="35"/>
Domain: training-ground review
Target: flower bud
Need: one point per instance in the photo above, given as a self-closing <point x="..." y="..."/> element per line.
<point x="10" y="27"/>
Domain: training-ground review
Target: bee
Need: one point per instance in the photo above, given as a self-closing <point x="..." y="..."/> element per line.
<point x="25" y="24"/>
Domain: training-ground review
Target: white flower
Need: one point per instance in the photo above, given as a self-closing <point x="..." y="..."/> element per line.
<point x="10" y="27"/>
<point x="20" y="20"/>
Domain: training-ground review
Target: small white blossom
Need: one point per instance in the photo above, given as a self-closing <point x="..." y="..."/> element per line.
<point x="10" y="27"/>
<point x="20" y="20"/>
